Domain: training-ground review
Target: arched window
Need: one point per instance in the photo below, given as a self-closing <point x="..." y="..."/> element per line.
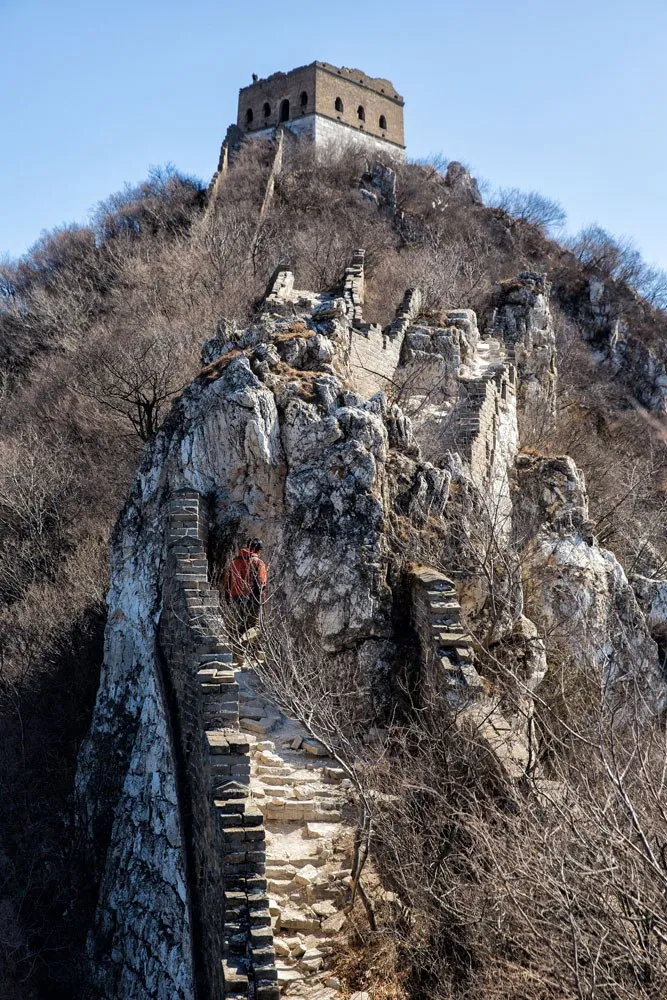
<point x="339" y="104"/>
<point x="303" y="100"/>
<point x="284" y="110"/>
<point x="248" y="116"/>
<point x="383" y="122"/>
<point x="361" y="114"/>
<point x="267" y="109"/>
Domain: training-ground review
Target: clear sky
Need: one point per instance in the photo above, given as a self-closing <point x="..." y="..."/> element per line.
<point x="563" y="96"/>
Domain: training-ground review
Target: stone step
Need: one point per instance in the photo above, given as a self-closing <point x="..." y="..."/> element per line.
<point x="273" y="770"/>
<point x="274" y="780"/>
<point x="298" y="861"/>
<point x="281" y="872"/>
<point x="260" y="918"/>
<point x="223" y="658"/>
<point x="258" y="726"/>
<point x="236" y="982"/>
<point x="286" y="975"/>
<point x="279" y="887"/>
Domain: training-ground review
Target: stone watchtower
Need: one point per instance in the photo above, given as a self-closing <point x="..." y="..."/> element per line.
<point x="328" y="104"/>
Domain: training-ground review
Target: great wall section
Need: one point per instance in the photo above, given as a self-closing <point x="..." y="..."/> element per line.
<point x="261" y="824"/>
<point x="255" y="828"/>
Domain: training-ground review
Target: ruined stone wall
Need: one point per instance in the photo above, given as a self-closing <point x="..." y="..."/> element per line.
<point x="354" y="287"/>
<point x="375" y="353"/>
<point x="474" y="429"/>
<point x="446" y="654"/>
<point x="448" y="667"/>
<point x="374" y="357"/>
<point x="223" y="831"/>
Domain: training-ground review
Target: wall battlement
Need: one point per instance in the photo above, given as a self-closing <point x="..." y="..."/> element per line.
<point x="224" y="830"/>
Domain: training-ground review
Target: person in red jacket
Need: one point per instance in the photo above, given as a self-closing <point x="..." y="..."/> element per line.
<point x="244" y="585"/>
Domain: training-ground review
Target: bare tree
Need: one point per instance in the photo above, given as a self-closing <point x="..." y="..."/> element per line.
<point x="136" y="378"/>
<point x="532" y="207"/>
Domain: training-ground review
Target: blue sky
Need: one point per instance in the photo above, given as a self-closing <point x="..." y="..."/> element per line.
<point x="567" y="98"/>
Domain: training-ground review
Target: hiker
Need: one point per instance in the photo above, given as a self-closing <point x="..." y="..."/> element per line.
<point x="244" y="585"/>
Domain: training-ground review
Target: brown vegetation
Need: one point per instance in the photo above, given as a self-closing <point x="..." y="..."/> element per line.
<point x="100" y="326"/>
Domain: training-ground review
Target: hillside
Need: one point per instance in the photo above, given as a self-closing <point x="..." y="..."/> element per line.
<point x="461" y="496"/>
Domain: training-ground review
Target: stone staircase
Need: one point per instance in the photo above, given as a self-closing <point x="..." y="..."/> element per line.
<point x="485" y="385"/>
<point x="448" y="664"/>
<point x="304" y="797"/>
<point x="354" y="288"/>
<point x="281" y="846"/>
<point x="229" y="835"/>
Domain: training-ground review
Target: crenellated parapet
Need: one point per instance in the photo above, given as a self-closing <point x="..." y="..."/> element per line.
<point x="223" y="829"/>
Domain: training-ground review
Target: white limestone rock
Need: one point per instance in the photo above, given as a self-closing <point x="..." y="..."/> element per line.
<point x="522" y="318"/>
<point x="577" y="593"/>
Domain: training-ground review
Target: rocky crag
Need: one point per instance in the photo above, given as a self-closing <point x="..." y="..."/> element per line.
<point x="381" y="468"/>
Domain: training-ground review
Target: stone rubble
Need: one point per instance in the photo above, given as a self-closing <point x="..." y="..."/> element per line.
<point x="304" y="797"/>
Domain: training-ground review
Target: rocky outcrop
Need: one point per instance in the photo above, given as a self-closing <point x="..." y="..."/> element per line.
<point x="611" y="331"/>
<point x="521" y="318"/>
<point x="652" y="597"/>
<point x="577" y="592"/>
<point x="434" y="350"/>
<point x="462" y="185"/>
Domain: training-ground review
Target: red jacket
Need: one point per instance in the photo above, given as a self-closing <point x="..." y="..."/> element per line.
<point x="246" y="577"/>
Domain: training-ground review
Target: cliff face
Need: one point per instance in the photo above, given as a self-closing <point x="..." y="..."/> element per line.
<point x="276" y="441"/>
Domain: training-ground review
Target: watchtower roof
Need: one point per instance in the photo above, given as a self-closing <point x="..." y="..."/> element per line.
<point x="376" y="83"/>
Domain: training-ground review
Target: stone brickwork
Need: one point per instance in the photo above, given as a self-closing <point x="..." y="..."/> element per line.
<point x="374" y="353"/>
<point x="407" y="313"/>
<point x="447" y="660"/>
<point x="448" y="666"/>
<point x="473" y="427"/>
<point x="354" y="284"/>
<point x="224" y="830"/>
<point x="326" y="134"/>
<point x="354" y="88"/>
<point x="283" y="299"/>
<point x="328" y="103"/>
